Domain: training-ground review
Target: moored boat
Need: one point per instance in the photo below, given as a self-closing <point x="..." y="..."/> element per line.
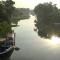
<point x="7" y="46"/>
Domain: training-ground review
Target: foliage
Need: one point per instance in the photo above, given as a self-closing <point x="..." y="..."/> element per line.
<point x="6" y="10"/>
<point x="5" y="27"/>
<point x="47" y="16"/>
<point x="9" y="7"/>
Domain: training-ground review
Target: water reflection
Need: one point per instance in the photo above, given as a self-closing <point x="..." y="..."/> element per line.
<point x="49" y="33"/>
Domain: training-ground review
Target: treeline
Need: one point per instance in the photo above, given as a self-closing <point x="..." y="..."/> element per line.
<point x="21" y="13"/>
<point x="48" y="19"/>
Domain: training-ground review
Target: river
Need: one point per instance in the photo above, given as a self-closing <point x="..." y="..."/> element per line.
<point x="33" y="47"/>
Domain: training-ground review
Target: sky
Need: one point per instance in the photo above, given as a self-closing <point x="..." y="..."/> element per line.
<point x="32" y="3"/>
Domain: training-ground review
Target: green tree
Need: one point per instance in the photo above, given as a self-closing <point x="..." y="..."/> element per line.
<point x="9" y="7"/>
<point x="47" y="15"/>
<point x="6" y="10"/>
<point x="5" y="27"/>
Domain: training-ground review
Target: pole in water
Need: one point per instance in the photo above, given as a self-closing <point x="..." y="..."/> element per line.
<point x="14" y="40"/>
<point x="16" y="48"/>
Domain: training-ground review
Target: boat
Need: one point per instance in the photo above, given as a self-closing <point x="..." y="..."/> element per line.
<point x="7" y="46"/>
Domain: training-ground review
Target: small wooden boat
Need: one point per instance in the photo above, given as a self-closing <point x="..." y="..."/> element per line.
<point x="7" y="46"/>
<point x="7" y="53"/>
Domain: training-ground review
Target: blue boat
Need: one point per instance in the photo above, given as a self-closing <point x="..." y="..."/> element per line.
<point x="7" y="46"/>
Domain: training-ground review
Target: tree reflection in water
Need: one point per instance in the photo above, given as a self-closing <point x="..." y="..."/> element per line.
<point x="47" y="31"/>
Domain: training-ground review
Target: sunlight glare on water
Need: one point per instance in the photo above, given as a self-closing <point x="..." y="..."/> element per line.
<point x="55" y="40"/>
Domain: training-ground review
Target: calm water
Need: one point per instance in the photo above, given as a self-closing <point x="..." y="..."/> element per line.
<point x="32" y="47"/>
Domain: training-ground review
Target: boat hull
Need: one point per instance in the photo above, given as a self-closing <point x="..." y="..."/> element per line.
<point x="6" y="54"/>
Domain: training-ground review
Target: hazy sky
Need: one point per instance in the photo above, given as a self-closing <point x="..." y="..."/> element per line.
<point x="32" y="3"/>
